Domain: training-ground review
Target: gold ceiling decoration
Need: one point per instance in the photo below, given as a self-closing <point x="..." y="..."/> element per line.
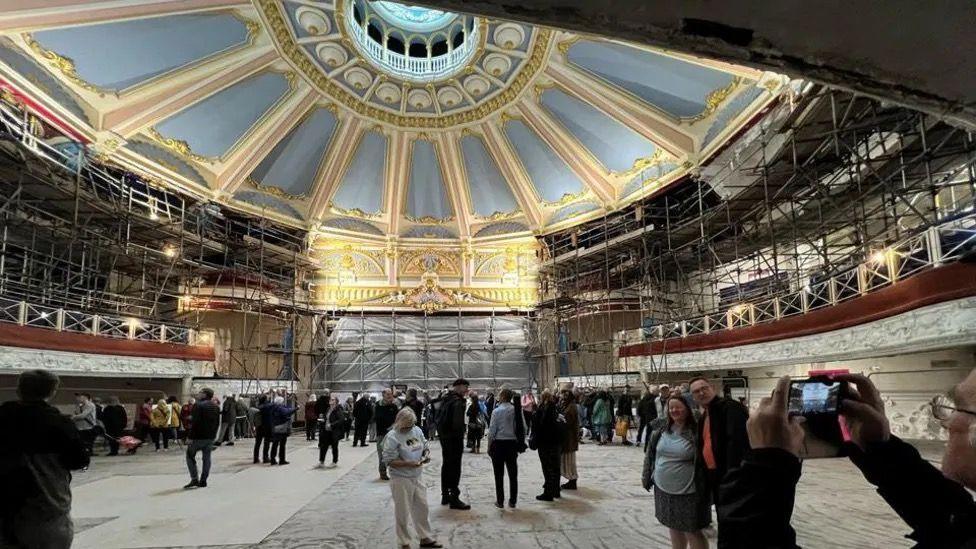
<point x="499" y="216"/>
<point x="274" y="191"/>
<point x="64" y="65"/>
<point x="281" y="33"/>
<point x="715" y="99"/>
<point x="353" y="212"/>
<point x="429" y="219"/>
<point x="178" y="146"/>
<point x="566" y="199"/>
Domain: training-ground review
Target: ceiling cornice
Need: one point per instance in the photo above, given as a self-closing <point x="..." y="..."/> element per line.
<point x="35" y="15"/>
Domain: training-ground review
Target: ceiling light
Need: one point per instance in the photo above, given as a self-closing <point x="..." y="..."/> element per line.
<point x="879" y="257"/>
<point x="169" y="250"/>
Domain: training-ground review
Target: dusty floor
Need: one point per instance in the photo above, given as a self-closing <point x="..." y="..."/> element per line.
<point x="137" y="501"/>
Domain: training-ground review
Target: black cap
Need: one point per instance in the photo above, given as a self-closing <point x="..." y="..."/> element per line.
<point x="460" y="381"/>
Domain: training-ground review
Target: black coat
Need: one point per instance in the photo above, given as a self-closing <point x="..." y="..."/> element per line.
<point x="547" y="430"/>
<point x="335" y="418"/>
<point x="646" y="409"/>
<point x="362" y="411"/>
<point x="756" y="501"/>
<point x="625" y="406"/>
<point x="385" y="415"/>
<point x="114" y="418"/>
<point x="730" y="441"/>
<point x="204" y="420"/>
<point x="451" y="416"/>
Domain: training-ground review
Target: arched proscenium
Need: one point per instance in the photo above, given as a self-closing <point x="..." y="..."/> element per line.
<point x="412" y="26"/>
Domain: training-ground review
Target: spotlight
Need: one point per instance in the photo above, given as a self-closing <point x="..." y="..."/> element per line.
<point x="879" y="257"/>
<point x="169" y="250"/>
<point x="153" y="216"/>
<point x="45" y="314"/>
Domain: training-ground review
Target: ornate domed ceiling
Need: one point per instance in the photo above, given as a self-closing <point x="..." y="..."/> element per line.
<point x="375" y="119"/>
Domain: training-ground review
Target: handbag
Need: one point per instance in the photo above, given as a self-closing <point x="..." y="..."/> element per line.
<point x="281" y="429"/>
<point x="622" y="426"/>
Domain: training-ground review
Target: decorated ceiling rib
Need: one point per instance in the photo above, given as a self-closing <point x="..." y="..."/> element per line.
<point x="380" y="120"/>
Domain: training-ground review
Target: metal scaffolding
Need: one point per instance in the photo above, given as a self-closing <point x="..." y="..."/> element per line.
<point x="819" y="183"/>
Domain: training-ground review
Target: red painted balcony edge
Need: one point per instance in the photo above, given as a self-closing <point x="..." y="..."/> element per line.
<point x="30" y="337"/>
<point x="953" y="281"/>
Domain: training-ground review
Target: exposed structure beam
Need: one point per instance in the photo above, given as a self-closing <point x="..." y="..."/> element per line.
<point x="341" y="149"/>
<point x="171" y="96"/>
<point x="863" y="48"/>
<point x="636" y="115"/>
<point x="34" y="15"/>
<point x="506" y="160"/>
<point x="243" y="161"/>
<point x="573" y="154"/>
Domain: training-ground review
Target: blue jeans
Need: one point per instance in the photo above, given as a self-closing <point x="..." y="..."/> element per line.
<point x="205" y="446"/>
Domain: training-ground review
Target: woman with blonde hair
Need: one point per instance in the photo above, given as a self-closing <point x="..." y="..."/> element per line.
<point x="159" y="423"/>
<point x="405" y="454"/>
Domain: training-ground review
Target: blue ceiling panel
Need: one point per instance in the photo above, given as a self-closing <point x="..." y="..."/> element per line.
<point x="262" y="200"/>
<point x="166" y="158"/>
<point x="428" y="231"/>
<point x="350" y="224"/>
<point x="294" y="162"/>
<point x="490" y="192"/>
<point x="426" y="192"/>
<point x="551" y="177"/>
<point x="613" y="143"/>
<point x="503" y="227"/>
<point x="213" y="126"/>
<point x="729" y="111"/>
<point x="677" y="87"/>
<point x="362" y="185"/>
<point x="121" y="54"/>
<point x="566" y="212"/>
<point x="40" y="77"/>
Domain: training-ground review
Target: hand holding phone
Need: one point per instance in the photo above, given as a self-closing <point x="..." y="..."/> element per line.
<point x="770" y="426"/>
<point x="818" y="401"/>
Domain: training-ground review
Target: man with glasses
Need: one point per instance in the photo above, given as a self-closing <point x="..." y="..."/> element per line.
<point x="757" y="499"/>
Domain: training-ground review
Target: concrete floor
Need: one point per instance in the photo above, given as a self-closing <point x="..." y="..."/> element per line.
<point x="137" y="501"/>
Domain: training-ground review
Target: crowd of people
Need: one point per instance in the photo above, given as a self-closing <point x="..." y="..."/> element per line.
<point x="700" y="450"/>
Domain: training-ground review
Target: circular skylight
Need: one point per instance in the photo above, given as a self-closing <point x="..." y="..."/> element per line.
<point x="411" y="42"/>
<point x="413" y="18"/>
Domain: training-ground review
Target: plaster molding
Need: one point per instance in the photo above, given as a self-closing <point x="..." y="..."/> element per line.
<point x="940" y="326"/>
<point x="14" y="360"/>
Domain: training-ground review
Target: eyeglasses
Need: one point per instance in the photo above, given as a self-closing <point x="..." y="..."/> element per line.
<point x="943" y="407"/>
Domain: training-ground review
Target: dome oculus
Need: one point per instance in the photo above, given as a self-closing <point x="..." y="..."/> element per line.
<point x="411" y="42"/>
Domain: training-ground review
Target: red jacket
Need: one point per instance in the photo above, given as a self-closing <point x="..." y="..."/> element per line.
<point x="145" y="414"/>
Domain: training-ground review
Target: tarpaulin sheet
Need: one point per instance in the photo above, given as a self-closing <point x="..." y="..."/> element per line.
<point x="367" y="353"/>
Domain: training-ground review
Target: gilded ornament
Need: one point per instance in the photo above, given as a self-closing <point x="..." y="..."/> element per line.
<point x="274" y="191"/>
<point x="279" y="30"/>
<point x="180" y="147"/>
<point x="566" y="199"/>
<point x="64" y="65"/>
<point x="565" y="45"/>
<point x="353" y="212"/>
<point x="499" y="216"/>
<point x="429" y="219"/>
<point x="715" y="99"/>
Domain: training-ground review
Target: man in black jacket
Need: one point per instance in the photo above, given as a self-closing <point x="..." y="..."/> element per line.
<point x="204" y="421"/>
<point x="40" y="449"/>
<point x="757" y="499"/>
<point x="722" y="438"/>
<point x="646" y="413"/>
<point x="385" y="414"/>
<point x="450" y="428"/>
<point x="362" y="413"/>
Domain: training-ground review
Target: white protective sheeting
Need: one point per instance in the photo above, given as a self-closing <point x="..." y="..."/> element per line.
<point x="367" y="353"/>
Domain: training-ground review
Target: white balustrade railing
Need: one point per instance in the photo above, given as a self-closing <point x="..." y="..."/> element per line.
<point x="414" y="68"/>
<point x="939" y="244"/>
<point x="24" y="313"/>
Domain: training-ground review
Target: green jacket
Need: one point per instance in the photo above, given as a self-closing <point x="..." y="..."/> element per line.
<point x="601" y="413"/>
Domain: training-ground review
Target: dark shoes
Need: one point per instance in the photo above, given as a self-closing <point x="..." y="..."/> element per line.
<point x="202" y="484"/>
<point x="283" y="462"/>
<point x="544" y="497"/>
<point x="273" y="462"/>
<point x="459" y="505"/>
<point x="230" y="444"/>
<point x="569" y="485"/>
<point x="384" y="476"/>
<point x="500" y="504"/>
<point x="192" y="484"/>
<point x="511" y="503"/>
<point x="445" y="500"/>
